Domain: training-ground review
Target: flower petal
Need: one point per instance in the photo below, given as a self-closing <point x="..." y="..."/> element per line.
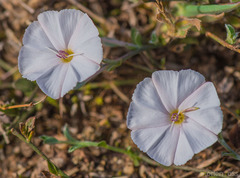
<point x="84" y="67"/>
<point x="85" y="40"/>
<point x="146" y="95"/>
<point x="166" y="83"/>
<point x="147" y="138"/>
<point x="204" y="97"/>
<point x="188" y="82"/>
<point x="69" y="19"/>
<point x="33" y="62"/>
<point x="50" y="23"/>
<point x="211" y="118"/>
<point x="140" y="117"/>
<point x="146" y="109"/>
<point x="164" y="150"/>
<point x="184" y="151"/>
<point x="58" y="81"/>
<point x="199" y="137"/>
<point x="70" y="81"/>
<point x="35" y="37"/>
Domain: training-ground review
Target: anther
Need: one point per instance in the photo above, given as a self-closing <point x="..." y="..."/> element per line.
<point x="62" y="54"/>
<point x="174" y="117"/>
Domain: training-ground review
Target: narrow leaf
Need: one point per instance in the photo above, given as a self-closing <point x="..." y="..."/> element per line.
<point x="154" y="38"/>
<point x="136" y="37"/>
<point x="75" y="147"/>
<point x="102" y="144"/>
<point x="52" y="168"/>
<point x="193" y="10"/>
<point x="67" y="134"/>
<point x="111" y="42"/>
<point x="49" y="140"/>
<point x="231" y="34"/>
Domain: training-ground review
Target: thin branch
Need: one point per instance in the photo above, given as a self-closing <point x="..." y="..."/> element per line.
<point x="14" y="132"/>
<point x="139" y="157"/>
<point x="23" y="105"/>
<point x="222" y="42"/>
<point x="120" y="59"/>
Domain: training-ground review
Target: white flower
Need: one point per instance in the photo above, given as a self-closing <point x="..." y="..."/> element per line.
<point x="174" y="115"/>
<point x="60" y="49"/>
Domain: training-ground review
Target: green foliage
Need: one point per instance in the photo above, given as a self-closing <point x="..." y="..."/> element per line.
<point x="49" y="140"/>
<point x="75" y="144"/>
<point x="67" y="134"/>
<point x="55" y="170"/>
<point x="27" y="128"/>
<point x="231" y="34"/>
<point x="52" y="168"/>
<point x="154" y="38"/>
<point x="112" y="64"/>
<point x="24" y="85"/>
<point x="189" y="10"/>
<point x="112" y="42"/>
<point x="136" y="37"/>
<point x="53" y="102"/>
<point x="79" y="85"/>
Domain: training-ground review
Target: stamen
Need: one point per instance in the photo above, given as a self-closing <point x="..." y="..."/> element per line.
<point x="62" y="54"/>
<point x="190" y="109"/>
<point x="65" y="56"/>
<point x="52" y="50"/>
<point x="75" y="54"/>
<point x="174" y="117"/>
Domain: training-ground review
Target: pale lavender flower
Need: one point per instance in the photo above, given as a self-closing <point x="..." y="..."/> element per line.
<point x="174" y="115"/>
<point x="60" y="49"/>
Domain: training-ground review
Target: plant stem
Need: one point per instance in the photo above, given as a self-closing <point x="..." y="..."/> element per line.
<point x="120" y="59"/>
<point x="23" y="105"/>
<point x="139" y="157"/>
<point x="228" y="148"/>
<point x="222" y="42"/>
<point x="14" y="132"/>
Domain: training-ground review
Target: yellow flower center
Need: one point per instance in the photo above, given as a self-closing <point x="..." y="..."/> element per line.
<point x="176" y="117"/>
<point x="65" y="55"/>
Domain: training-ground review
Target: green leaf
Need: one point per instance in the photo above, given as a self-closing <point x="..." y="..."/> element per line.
<point x="154" y="38"/>
<point x="75" y="147"/>
<point x="79" y="85"/>
<point x="135" y="161"/>
<point x="136" y="37"/>
<point x="49" y="140"/>
<point x="193" y="10"/>
<point x="227" y="154"/>
<point x="129" y="148"/>
<point x="82" y="144"/>
<point x="102" y="143"/>
<point x="24" y="85"/>
<point x="30" y="124"/>
<point x="231" y="34"/>
<point x="112" y="42"/>
<point x="53" y="102"/>
<point x="112" y="64"/>
<point x="67" y="134"/>
<point x="52" y="168"/>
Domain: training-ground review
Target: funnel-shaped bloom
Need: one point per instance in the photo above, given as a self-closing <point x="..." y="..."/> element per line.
<point x="174" y="115"/>
<point x="60" y="49"/>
